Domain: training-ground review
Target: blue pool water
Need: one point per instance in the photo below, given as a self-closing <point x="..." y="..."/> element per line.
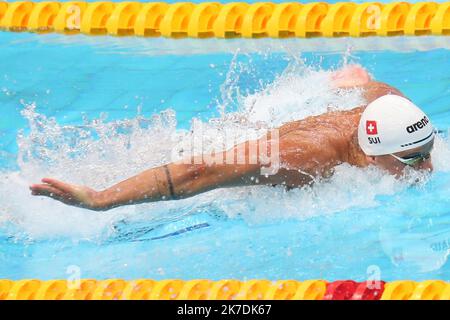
<point x="97" y="110"/>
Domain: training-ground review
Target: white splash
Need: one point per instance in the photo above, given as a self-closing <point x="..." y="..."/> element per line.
<point x="100" y="153"/>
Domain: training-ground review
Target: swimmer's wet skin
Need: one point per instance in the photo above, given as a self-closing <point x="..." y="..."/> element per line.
<point x="389" y="132"/>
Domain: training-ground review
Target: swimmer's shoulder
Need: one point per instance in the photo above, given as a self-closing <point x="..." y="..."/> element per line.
<point x="336" y="119"/>
<point x="375" y="89"/>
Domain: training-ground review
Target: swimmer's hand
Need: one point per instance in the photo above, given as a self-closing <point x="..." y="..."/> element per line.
<point x="350" y="76"/>
<point x="74" y="195"/>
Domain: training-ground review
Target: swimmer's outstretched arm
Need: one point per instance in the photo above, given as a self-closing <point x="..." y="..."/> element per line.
<point x="180" y="180"/>
<point x="172" y="181"/>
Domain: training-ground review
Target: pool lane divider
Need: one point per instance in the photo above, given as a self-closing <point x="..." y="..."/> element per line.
<point x="174" y="289"/>
<point x="231" y="20"/>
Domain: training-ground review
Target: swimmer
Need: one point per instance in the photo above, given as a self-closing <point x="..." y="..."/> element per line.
<point x="389" y="131"/>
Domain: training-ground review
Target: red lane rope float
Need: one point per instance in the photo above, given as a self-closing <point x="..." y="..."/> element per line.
<point x="369" y="290"/>
<point x="340" y="290"/>
<point x="351" y="290"/>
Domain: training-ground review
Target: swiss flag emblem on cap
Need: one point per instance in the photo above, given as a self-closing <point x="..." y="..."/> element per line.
<point x="371" y="127"/>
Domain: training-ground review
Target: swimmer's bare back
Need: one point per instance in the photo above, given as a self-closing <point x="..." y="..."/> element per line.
<point x="308" y="149"/>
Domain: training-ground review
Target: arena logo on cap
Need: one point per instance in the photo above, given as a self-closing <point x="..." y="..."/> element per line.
<point x="371" y="127"/>
<point x="418" y="125"/>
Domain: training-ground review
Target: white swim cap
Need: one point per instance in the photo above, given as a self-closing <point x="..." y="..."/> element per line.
<point x="393" y="124"/>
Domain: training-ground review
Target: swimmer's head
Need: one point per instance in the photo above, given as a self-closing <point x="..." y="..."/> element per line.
<point x="394" y="133"/>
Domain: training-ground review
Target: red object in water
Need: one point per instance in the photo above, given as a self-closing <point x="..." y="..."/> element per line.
<point x="371" y="127"/>
<point x="340" y="290"/>
<point x="369" y="290"/>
